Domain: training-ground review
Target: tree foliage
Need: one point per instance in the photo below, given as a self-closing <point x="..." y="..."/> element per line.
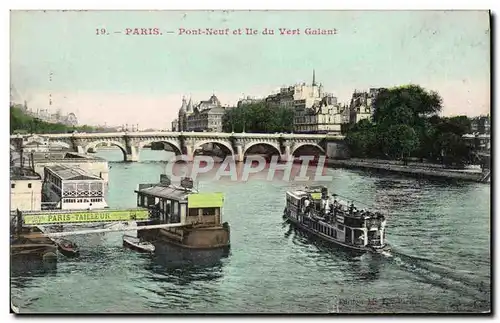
<point x="23" y="123"/>
<point x="406" y="124"/>
<point x="258" y="118"/>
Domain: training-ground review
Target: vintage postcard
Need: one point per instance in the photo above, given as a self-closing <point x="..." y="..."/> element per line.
<point x="246" y="162"/>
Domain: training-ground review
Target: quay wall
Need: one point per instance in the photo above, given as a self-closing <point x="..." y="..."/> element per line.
<point x="412" y="169"/>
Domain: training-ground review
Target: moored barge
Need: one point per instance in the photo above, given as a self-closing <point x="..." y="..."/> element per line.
<point x="201" y="233"/>
<point x="312" y="210"/>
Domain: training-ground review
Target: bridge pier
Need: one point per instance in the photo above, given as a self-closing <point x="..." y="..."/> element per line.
<point x="132" y="154"/>
<point x="238" y="152"/>
<point x="336" y="150"/>
<point x="189" y="153"/>
<point x="287" y="154"/>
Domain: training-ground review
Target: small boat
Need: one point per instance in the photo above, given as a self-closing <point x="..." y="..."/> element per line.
<point x="136" y="244"/>
<point x="67" y="248"/>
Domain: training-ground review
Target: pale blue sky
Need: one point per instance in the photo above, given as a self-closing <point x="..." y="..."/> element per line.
<point x="140" y="79"/>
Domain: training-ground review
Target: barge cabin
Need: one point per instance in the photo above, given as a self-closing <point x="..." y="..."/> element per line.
<point x="199" y="213"/>
<point x="72" y="188"/>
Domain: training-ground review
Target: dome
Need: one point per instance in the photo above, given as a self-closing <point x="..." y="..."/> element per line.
<point x="72" y="119"/>
<point x="214" y="100"/>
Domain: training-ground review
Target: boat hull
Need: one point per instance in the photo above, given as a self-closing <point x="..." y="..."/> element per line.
<point x="168" y="253"/>
<point x="324" y="238"/>
<point x="133" y="246"/>
<point x="70" y="253"/>
<point x="202" y="245"/>
<point x="67" y="248"/>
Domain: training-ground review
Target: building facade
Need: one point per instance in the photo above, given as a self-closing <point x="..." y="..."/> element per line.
<point x="205" y="116"/>
<point x="316" y="111"/>
<point x="69" y="119"/>
<point x="361" y="105"/>
<point x="299" y="96"/>
<point x="481" y="125"/>
<point x="174" y="126"/>
<point x="25" y="190"/>
<point x="326" y="116"/>
<point x="248" y="100"/>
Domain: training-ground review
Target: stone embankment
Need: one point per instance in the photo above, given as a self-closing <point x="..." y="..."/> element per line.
<point x="411" y="168"/>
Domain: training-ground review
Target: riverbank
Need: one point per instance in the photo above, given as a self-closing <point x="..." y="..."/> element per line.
<point x="411" y="169"/>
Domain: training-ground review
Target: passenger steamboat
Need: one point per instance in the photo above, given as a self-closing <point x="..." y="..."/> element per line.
<point x="312" y="210"/>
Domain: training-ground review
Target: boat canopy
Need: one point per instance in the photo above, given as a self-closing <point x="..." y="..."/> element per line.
<point x="163" y="192"/>
<point x="205" y="200"/>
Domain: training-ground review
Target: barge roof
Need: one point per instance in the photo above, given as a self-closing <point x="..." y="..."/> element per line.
<point x="194" y="199"/>
<point x="167" y="192"/>
<point x="71" y="173"/>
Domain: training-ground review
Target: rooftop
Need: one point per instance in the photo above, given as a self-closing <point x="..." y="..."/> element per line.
<point x="18" y="173"/>
<point x="65" y="156"/>
<point x="71" y="173"/>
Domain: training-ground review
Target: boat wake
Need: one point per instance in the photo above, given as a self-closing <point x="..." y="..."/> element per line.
<point x="386" y="254"/>
<point x="439" y="275"/>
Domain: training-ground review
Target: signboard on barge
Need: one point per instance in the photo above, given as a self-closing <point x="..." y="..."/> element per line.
<point x="85" y="216"/>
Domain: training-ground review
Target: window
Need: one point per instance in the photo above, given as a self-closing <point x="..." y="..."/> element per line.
<point x="29" y="185"/>
<point x="12" y="185"/>
<point x="193" y="212"/>
<point x="209" y="211"/>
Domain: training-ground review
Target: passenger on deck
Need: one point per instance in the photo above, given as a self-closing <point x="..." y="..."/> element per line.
<point x="327" y="207"/>
<point x="351" y="208"/>
<point x="361" y="240"/>
<point x="307" y="204"/>
<point x="324" y="203"/>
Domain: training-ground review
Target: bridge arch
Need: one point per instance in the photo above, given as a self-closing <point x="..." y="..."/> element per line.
<point x="306" y="144"/>
<point x="118" y="144"/>
<point x="174" y="145"/>
<point x="225" y="144"/>
<point x="60" y="144"/>
<point x="267" y="144"/>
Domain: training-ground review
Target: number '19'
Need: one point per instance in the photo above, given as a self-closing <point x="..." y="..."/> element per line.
<point x="100" y="31"/>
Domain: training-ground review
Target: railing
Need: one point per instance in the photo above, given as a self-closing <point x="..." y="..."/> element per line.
<point x="186" y="134"/>
<point x="374" y="242"/>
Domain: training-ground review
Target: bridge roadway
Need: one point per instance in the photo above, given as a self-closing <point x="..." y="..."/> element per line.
<point x="187" y="143"/>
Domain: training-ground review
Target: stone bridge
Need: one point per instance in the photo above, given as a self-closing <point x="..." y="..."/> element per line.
<point x="235" y="144"/>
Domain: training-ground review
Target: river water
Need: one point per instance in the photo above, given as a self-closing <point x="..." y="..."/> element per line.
<point x="440" y="234"/>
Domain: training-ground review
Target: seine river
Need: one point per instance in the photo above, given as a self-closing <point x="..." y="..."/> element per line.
<point x="440" y="233"/>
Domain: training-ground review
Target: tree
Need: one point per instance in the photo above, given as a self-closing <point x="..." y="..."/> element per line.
<point x="362" y="139"/>
<point x="402" y="141"/>
<point x="405" y="123"/>
<point x="405" y="105"/>
<point x="258" y="117"/>
<point x="453" y="149"/>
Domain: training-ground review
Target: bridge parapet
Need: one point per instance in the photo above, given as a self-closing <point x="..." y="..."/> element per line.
<point x="187" y="142"/>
